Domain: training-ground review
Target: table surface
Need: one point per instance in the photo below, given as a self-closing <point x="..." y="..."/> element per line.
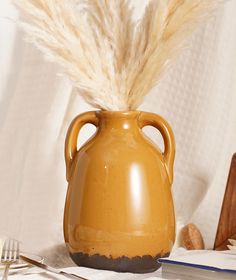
<point x="91" y="274"/>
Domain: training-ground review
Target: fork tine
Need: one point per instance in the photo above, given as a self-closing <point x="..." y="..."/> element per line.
<point x="6" y="249"/>
<point x="2" y="256"/>
<point x="10" y="251"/>
<point x="16" y="250"/>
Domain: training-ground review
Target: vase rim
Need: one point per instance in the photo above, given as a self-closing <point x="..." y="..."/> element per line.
<point x="125" y="113"/>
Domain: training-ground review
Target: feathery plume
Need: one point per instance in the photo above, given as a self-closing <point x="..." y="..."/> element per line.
<point x="113" y="60"/>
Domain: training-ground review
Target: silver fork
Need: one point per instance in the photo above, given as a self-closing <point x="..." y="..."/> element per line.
<point x="10" y="255"/>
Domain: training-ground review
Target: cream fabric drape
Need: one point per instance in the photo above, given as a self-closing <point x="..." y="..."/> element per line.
<point x="197" y="97"/>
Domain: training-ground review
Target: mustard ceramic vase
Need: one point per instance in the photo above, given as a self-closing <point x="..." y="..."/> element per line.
<point x="119" y="213"/>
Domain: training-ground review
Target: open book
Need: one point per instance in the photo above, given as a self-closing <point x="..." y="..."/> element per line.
<point x="200" y="264"/>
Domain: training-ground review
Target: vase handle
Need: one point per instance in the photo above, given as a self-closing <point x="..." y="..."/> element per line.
<point x="72" y="136"/>
<point x="168" y="136"/>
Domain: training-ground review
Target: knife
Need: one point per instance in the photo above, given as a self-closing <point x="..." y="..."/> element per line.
<point x="50" y="269"/>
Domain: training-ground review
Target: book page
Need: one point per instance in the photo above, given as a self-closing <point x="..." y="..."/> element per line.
<point x="220" y="260"/>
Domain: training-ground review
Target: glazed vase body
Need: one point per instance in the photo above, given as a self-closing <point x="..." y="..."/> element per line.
<point x="119" y="212"/>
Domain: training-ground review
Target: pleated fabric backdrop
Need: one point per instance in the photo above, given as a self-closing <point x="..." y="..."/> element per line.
<point x="197" y="97"/>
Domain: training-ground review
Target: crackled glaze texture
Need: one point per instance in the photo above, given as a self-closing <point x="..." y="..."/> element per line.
<point x="119" y="205"/>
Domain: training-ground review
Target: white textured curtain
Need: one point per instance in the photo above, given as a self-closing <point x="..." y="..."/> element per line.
<point x="197" y="97"/>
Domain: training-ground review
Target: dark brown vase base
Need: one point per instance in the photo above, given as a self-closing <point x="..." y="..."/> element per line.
<point x="144" y="264"/>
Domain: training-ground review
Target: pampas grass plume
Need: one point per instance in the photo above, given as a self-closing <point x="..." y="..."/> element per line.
<point x="113" y="60"/>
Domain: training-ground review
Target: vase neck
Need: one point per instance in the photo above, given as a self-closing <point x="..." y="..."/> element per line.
<point x="114" y="121"/>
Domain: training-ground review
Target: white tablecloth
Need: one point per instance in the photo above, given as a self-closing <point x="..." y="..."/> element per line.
<point x="91" y="274"/>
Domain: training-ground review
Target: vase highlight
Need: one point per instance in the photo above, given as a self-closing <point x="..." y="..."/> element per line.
<point x="119" y="212"/>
